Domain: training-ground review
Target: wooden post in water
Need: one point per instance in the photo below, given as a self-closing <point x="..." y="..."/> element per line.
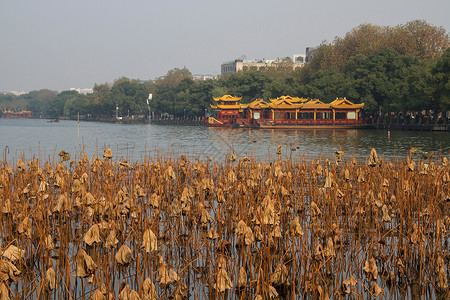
<point x="78" y="128"/>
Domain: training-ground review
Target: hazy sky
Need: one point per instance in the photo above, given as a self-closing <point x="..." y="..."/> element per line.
<point x="64" y="44"/>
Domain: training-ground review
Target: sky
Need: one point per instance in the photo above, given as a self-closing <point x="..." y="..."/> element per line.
<point x="58" y="45"/>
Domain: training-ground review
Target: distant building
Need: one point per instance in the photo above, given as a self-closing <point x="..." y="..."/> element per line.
<point x="201" y="77"/>
<point x="83" y="91"/>
<point x="237" y="65"/>
<point x="299" y="58"/>
<point x="310" y="52"/>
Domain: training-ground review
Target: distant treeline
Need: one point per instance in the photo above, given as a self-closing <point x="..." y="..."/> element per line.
<point x="390" y="69"/>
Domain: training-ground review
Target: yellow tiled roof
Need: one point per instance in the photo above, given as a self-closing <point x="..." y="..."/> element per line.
<point x="227" y="98"/>
<point x="344" y="103"/>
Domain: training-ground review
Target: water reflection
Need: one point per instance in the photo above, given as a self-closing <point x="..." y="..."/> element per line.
<point x="132" y="141"/>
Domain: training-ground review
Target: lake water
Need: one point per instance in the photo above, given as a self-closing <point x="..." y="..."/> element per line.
<point x="39" y="138"/>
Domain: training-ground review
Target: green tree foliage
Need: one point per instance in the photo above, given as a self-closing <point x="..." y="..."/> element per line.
<point x="440" y="80"/>
<point x="55" y="107"/>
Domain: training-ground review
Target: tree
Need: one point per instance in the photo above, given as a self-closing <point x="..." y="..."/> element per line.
<point x="440" y="80"/>
<point x="55" y="108"/>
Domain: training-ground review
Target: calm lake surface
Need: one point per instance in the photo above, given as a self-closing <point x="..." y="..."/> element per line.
<point x="44" y="140"/>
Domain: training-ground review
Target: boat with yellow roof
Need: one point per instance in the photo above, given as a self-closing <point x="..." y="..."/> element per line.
<point x="286" y="112"/>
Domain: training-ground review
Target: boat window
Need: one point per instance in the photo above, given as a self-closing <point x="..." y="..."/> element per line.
<point x="341" y="116"/>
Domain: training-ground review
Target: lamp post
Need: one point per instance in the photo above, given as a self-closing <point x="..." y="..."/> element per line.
<point x="150" y="96"/>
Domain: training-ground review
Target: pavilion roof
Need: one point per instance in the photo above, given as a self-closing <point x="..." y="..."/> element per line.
<point x="345" y="104"/>
<point x="227" y="98"/>
<point x="256" y="104"/>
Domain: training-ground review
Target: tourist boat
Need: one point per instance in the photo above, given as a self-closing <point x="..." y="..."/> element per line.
<point x="8" y="114"/>
<point x="285" y="112"/>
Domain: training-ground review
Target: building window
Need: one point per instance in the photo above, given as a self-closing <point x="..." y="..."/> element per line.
<point x="341" y="116"/>
<point x="289" y="115"/>
<point x="278" y="115"/>
<point x="305" y="115"/>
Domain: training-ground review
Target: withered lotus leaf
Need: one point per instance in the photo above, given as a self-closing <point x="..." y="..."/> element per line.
<point x="88" y="199"/>
<point x="319" y="252"/>
<point x="273" y="292"/>
<point x="163" y="275"/>
<point x="315" y="210"/>
<point x="279" y="149"/>
<point x="93" y="235"/>
<point x="124" y="256"/>
<point x="169" y="174"/>
<point x="8" y="271"/>
<point x="417" y="235"/>
<point x="249" y="237"/>
<point x="280" y="275"/>
<point x="329" y="251"/>
<point x="231" y="177"/>
<point x="107" y="153"/>
<point x="319" y="170"/>
<point x="347" y="284"/>
<point x="125" y="165"/>
<point x="386" y="217"/>
<point x="323" y="293"/>
<point x="328" y="180"/>
<point x="150" y="242"/>
<point x="205" y="218"/>
<point x="212" y="234"/>
<point x="220" y="195"/>
<point x="347" y="174"/>
<point x="278" y="172"/>
<point x="440" y="227"/>
<point x="221" y="262"/>
<point x="63" y="204"/>
<point x="269" y="214"/>
<point x="149" y="290"/>
<point x="50" y="279"/>
<point x="240" y="228"/>
<point x="84" y="178"/>
<point x="276" y="233"/>
<point x="4" y="292"/>
<point x="154" y="200"/>
<point x="242" y="280"/>
<point x="174" y="276"/>
<point x="223" y="281"/>
<point x="125" y="293"/>
<point x="295" y="227"/>
<point x="376" y="289"/>
<point x="59" y="181"/>
<point x="76" y="186"/>
<point x="43" y="187"/>
<point x="25" y="227"/>
<point x="111" y="240"/>
<point x="97" y="295"/>
<point x="21" y="165"/>
<point x="6" y="207"/>
<point x="12" y="253"/>
<point x="48" y="243"/>
<point x="85" y="264"/>
<point x="370" y="268"/>
<point x="442" y="279"/>
<point x="373" y="158"/>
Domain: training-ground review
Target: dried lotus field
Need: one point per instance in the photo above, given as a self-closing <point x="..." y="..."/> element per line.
<point x="240" y="228"/>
